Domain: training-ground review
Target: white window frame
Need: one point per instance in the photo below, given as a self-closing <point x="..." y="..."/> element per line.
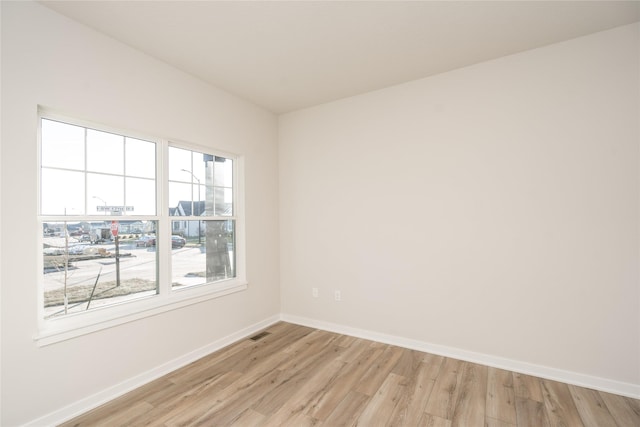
<point x="185" y="219"/>
<point x="66" y="327"/>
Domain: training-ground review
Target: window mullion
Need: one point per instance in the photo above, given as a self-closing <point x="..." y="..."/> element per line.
<point x="124" y="173"/>
<point x="86" y="179"/>
<point x="164" y="223"/>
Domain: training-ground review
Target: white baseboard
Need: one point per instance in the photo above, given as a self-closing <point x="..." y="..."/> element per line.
<point x="582" y="380"/>
<point x="91" y="402"/>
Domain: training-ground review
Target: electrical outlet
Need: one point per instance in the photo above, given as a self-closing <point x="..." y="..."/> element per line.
<point x="337" y="296"/>
<point x="314" y="292"/>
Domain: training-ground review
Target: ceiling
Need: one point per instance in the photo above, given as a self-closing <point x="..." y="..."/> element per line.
<point x="285" y="56"/>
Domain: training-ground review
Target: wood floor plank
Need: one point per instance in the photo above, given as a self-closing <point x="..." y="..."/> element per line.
<point x="129" y="417"/>
<point x="445" y="391"/>
<point x="262" y="365"/>
<point x="301" y="344"/>
<point x="348" y="410"/>
<point x="592" y="409"/>
<point x="470" y="407"/>
<point x="635" y="404"/>
<point x="302" y="355"/>
<point x="262" y="350"/>
<point x="125" y="416"/>
<point x="530" y="413"/>
<point x="501" y="403"/>
<point x="179" y="397"/>
<point x="381" y="407"/>
<point x="347" y="341"/>
<point x="296" y="375"/>
<point x="432" y="364"/>
<point x="353" y="352"/>
<point x="193" y="400"/>
<point x="154" y="392"/>
<point x="310" y="391"/>
<point x="299" y="420"/>
<point x="559" y="405"/>
<point x="409" y="368"/>
<point x="428" y="420"/>
<point x="527" y="387"/>
<point x="408" y="363"/>
<point x="226" y="412"/>
<point x="105" y="412"/>
<point x="377" y="373"/>
<point x="419" y="388"/>
<point x="250" y="418"/>
<point x="621" y="409"/>
<point x="285" y="329"/>
<point x="188" y="409"/>
<point x="350" y="376"/>
<point x="494" y="422"/>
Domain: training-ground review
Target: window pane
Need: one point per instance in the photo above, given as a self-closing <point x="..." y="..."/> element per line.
<point x="223" y="172"/>
<point x="223" y="201"/>
<point x="84" y="265"/>
<point x="62" y="192"/>
<point x="105" y="152"/>
<point x="207" y="253"/>
<point x="62" y="145"/>
<point x="140" y="158"/>
<point x="200" y="194"/>
<point x="200" y="184"/>
<point x="199" y="168"/>
<point x="141" y="196"/>
<point x="106" y="194"/>
<point x="179" y="162"/>
<point x="219" y="191"/>
<point x="179" y="199"/>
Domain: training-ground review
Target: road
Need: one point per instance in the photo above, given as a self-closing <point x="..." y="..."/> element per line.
<point x="188" y="265"/>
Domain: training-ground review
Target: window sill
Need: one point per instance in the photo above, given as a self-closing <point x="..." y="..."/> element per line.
<point x="58" y="330"/>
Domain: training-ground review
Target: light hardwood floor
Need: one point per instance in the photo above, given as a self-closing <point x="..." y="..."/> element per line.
<point x="299" y="376"/>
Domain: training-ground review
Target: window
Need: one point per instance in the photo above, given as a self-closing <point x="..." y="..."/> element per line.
<point x="202" y="213"/>
<point x="90" y="182"/>
<point x="129" y="219"/>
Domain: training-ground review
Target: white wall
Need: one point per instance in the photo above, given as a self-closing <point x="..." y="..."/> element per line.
<point x="50" y="60"/>
<point x="492" y="210"/>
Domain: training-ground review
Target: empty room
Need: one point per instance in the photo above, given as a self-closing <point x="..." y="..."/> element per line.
<point x="320" y="213"/>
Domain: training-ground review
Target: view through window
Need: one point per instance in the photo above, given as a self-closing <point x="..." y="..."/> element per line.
<point x="202" y="213"/>
<point x="103" y="238"/>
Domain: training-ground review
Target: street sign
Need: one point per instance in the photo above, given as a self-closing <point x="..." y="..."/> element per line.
<point x="114" y="228"/>
<point x="114" y="209"/>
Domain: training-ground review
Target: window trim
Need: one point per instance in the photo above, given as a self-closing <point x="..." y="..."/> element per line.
<point x="118" y="314"/>
<point x="73" y="325"/>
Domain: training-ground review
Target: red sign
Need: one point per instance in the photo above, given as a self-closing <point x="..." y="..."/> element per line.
<point x="114" y="228"/>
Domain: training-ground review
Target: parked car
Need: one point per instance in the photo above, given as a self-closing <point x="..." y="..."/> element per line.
<point x="146" y="241"/>
<point x="178" y="242"/>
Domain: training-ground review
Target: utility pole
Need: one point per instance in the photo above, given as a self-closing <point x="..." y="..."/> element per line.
<point x="114" y="232"/>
